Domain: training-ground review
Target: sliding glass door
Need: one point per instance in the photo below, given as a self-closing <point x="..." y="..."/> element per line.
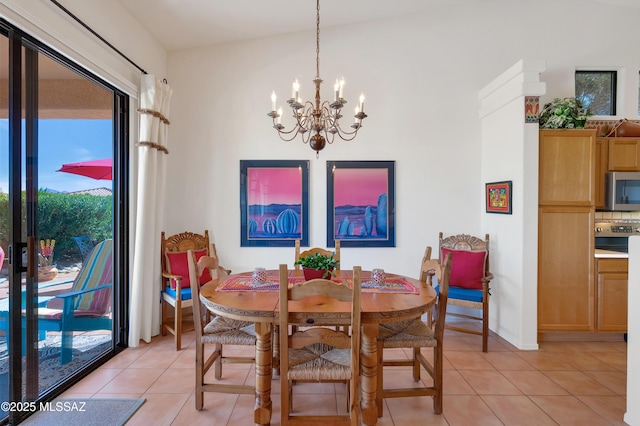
<point x="62" y="170"/>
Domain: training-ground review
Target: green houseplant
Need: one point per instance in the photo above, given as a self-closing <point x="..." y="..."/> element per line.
<point x="564" y="113"/>
<point x="317" y="262"/>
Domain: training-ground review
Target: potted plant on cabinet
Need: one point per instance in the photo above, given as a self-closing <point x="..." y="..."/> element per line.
<point x="564" y="113"/>
<point x="317" y="265"/>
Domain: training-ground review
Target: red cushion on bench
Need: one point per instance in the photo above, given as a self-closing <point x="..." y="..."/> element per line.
<point x="177" y="265"/>
<point x="467" y="268"/>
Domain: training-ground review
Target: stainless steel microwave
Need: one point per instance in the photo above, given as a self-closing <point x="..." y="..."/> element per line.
<point x="622" y="191"/>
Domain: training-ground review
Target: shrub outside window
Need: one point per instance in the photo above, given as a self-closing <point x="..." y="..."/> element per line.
<point x="597" y="90"/>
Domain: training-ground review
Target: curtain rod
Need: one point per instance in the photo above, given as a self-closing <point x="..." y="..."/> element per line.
<point x="65" y="10"/>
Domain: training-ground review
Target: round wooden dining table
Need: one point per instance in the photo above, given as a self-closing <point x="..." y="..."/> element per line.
<point x="261" y="307"/>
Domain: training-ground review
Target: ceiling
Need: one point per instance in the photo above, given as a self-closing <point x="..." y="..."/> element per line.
<point x="180" y="24"/>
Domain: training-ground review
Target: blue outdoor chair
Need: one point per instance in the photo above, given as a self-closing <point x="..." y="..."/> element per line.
<point x="87" y="306"/>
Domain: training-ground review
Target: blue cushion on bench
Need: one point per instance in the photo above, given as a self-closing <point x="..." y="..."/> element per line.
<point x="185" y="294"/>
<point x="462" y="293"/>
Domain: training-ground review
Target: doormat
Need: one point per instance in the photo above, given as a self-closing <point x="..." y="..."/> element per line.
<point x="85" y="412"/>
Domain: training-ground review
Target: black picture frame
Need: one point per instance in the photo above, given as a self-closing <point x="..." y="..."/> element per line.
<point x="283" y="188"/>
<point x="498" y="197"/>
<point x="361" y="203"/>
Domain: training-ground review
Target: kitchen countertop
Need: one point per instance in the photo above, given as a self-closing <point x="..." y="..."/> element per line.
<point x="607" y="254"/>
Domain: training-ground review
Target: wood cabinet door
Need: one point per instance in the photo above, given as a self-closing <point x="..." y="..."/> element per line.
<point x="567" y="167"/>
<point x="566" y="298"/>
<point x="613" y="281"/>
<point x="602" y="164"/>
<point x="624" y="155"/>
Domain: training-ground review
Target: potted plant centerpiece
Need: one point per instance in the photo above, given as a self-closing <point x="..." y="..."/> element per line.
<point x="564" y="113"/>
<point x="317" y="265"/>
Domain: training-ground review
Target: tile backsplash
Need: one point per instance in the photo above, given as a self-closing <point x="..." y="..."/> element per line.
<point x="617" y="215"/>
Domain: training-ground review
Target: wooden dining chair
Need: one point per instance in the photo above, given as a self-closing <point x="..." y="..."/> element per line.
<point x="469" y="281"/>
<point x="415" y="334"/>
<point x="219" y="332"/>
<point x="176" y="291"/>
<point x="319" y="353"/>
<point x="314" y="250"/>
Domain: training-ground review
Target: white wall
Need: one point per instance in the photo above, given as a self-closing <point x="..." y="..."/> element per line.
<point x="509" y="152"/>
<point x="421" y="75"/>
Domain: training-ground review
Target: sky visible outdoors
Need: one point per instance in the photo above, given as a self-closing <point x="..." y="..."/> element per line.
<point x="63" y="141"/>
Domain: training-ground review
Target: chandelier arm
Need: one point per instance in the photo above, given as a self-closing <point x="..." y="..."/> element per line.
<point x="283" y="135"/>
<point x="282" y="132"/>
<point x="345" y="135"/>
<point x="329" y="137"/>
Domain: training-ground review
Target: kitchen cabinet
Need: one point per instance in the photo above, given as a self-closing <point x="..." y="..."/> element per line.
<point x="565" y="269"/>
<point x="566" y="167"/>
<point x="566" y="295"/>
<point x="624" y="154"/>
<point x="611" y="305"/>
<point x="602" y="166"/>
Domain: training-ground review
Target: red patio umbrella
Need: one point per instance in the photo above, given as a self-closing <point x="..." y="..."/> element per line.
<point x="96" y="169"/>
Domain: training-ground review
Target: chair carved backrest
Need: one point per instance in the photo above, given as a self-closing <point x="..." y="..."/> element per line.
<point x="314" y="250"/>
<point x="467" y="243"/>
<point x="180" y="243"/>
<point x="185" y="241"/>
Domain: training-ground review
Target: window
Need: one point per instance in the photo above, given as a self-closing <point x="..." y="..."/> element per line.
<point x="597" y="91"/>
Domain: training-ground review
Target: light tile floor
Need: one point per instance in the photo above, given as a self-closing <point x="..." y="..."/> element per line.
<point x="560" y="384"/>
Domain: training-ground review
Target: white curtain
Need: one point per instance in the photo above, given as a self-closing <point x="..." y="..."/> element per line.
<point x="144" y="308"/>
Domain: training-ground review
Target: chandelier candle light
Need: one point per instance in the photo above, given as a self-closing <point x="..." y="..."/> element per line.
<point x="320" y="118"/>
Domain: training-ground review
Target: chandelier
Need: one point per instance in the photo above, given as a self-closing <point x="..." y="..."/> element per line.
<point x="317" y="122"/>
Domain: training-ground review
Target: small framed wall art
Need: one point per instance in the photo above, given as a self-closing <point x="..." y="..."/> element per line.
<point x="498" y="196"/>
<point x="274" y="203"/>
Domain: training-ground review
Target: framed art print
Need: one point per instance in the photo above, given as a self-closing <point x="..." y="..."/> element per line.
<point x="361" y="203"/>
<point x="498" y="196"/>
<point x="274" y="203"/>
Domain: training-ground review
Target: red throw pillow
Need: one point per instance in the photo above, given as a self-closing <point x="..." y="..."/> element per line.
<point x="467" y="268"/>
<point x="177" y="265"/>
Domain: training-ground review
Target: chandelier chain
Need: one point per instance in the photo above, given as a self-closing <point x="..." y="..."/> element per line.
<point x="318" y="40"/>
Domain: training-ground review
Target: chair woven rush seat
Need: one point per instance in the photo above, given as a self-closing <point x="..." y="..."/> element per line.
<point x="218" y="332"/>
<point x="226" y="331"/>
<point x="319" y="362"/>
<point x="407" y="334"/>
<point x="416" y="334"/>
